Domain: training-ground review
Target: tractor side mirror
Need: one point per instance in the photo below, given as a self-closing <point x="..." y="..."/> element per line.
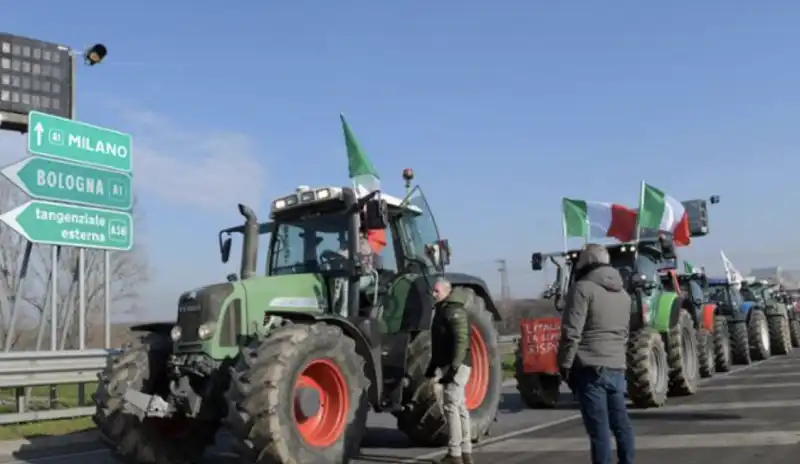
<point x="438" y="253"/>
<point x="444" y="252"/>
<point x="225" y="248"/>
<point x="537" y="262"/>
<point x="376" y="215"/>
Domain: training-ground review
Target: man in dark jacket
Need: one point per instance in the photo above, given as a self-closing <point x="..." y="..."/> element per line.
<point x="450" y="362"/>
<point x="591" y="354"/>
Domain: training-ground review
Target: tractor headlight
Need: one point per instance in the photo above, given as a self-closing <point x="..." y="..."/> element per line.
<point x="323" y="194"/>
<point x="175" y="333"/>
<point x="206" y="331"/>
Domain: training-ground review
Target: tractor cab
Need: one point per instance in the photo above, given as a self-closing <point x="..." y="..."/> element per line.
<point x="727" y="295"/>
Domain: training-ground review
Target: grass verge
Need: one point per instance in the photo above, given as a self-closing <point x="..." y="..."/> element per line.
<point x="45" y="428"/>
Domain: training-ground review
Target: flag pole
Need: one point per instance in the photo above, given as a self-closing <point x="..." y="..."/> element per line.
<point x="639" y="213"/>
<point x="564" y="226"/>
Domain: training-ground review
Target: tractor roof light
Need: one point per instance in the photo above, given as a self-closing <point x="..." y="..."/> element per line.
<point x="305" y="195"/>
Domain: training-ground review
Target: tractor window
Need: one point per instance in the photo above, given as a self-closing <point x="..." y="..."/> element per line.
<point x="750" y="295"/>
<point x="718" y="294"/>
<point x="645" y="265"/>
<point x="418" y="226"/>
<point x="309" y="244"/>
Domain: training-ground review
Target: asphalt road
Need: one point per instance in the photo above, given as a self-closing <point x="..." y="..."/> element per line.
<point x="750" y="414"/>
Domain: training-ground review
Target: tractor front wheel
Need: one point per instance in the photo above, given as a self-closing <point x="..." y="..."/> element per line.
<point x="299" y="395"/>
<point x="780" y="337"/>
<point x="648" y="371"/>
<point x="706" y="354"/>
<point x="722" y="344"/>
<point x="740" y="343"/>
<point x="794" y="331"/>
<point x="174" y="440"/>
<point x="682" y="356"/>
<point x="758" y="333"/>
<point x="423" y="422"/>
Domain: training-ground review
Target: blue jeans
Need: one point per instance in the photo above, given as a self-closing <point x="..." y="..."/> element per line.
<point x="601" y="394"/>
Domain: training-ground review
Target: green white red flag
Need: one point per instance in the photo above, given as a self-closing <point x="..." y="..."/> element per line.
<point x="597" y="219"/>
<point x="662" y="212"/>
<point x="361" y="171"/>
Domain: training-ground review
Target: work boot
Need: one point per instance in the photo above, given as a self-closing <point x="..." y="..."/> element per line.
<point x="466" y="458"/>
<point x="450" y="459"/>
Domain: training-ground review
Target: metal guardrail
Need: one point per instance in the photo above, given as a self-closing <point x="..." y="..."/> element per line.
<point x="21" y="370"/>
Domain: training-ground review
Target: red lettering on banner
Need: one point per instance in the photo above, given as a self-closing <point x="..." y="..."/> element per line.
<point x="539" y="344"/>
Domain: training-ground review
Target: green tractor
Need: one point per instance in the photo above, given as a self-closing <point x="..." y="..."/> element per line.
<point x="292" y="360"/>
<point x="766" y="296"/>
<point x="663" y="349"/>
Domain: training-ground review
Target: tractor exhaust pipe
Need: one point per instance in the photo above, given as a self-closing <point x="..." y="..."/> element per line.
<point x="250" y="245"/>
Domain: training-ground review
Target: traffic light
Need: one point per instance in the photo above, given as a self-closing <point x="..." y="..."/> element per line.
<point x="95" y="54"/>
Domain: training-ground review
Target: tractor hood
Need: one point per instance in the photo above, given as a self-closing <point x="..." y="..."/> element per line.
<point x="291" y="292"/>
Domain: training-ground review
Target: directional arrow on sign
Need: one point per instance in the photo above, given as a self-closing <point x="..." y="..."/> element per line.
<point x="49" y="179"/>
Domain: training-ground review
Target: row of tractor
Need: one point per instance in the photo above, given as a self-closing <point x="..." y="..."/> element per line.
<point x="684" y="325"/>
<point x="291" y="360"/>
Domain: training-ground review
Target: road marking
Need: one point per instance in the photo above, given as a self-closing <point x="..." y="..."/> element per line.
<point x="563" y="420"/>
<point x="723" y="406"/>
<point x="651" y="442"/>
<point x="754" y="386"/>
<point x="755" y="374"/>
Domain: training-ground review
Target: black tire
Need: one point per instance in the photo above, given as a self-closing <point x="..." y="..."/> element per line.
<point x="794" y="331"/>
<point x="780" y="337"/>
<point x="740" y="342"/>
<point x="648" y="371"/>
<point x="706" y="354"/>
<point x="682" y="354"/>
<point x="758" y="334"/>
<point x="538" y="391"/>
<point x="424" y="423"/>
<point x="143" y="366"/>
<point x="722" y="345"/>
<point x="261" y="401"/>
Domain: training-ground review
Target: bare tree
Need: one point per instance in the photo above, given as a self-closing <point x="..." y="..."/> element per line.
<point x="129" y="273"/>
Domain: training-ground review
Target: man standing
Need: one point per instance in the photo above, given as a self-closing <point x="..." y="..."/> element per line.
<point x="591" y="354"/>
<point x="450" y="356"/>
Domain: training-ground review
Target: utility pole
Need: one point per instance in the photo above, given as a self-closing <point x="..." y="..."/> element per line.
<point x="505" y="288"/>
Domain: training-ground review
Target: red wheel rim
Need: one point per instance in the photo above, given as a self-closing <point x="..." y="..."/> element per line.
<point x="478" y="383"/>
<point x="330" y="421"/>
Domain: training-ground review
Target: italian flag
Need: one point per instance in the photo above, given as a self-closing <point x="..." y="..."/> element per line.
<point x="659" y="211"/>
<point x="587" y="219"/>
<point x="362" y="173"/>
<point x="688" y="268"/>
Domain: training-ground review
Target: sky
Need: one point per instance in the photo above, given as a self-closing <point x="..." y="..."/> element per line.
<point x="501" y="109"/>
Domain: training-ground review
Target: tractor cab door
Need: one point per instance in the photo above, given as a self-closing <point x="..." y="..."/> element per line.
<point x="408" y="303"/>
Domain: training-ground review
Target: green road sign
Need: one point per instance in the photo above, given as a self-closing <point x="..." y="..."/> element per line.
<point x="79" y="226"/>
<point x="49" y="179"/>
<point x="79" y="142"/>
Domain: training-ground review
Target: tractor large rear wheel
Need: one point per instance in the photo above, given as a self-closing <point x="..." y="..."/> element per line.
<point x="424" y="422"/>
<point x="299" y="395"/>
<point x="648" y="371"/>
<point x="682" y="355"/>
<point x="706" y="353"/>
<point x="537" y="390"/>
<point x="143" y="366"/>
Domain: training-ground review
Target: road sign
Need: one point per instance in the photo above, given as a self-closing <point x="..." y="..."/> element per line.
<point x="63" y="138"/>
<point x="49" y="179"/>
<point x="67" y="225"/>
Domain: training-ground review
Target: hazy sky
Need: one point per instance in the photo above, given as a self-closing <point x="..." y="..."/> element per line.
<point x="501" y="108"/>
